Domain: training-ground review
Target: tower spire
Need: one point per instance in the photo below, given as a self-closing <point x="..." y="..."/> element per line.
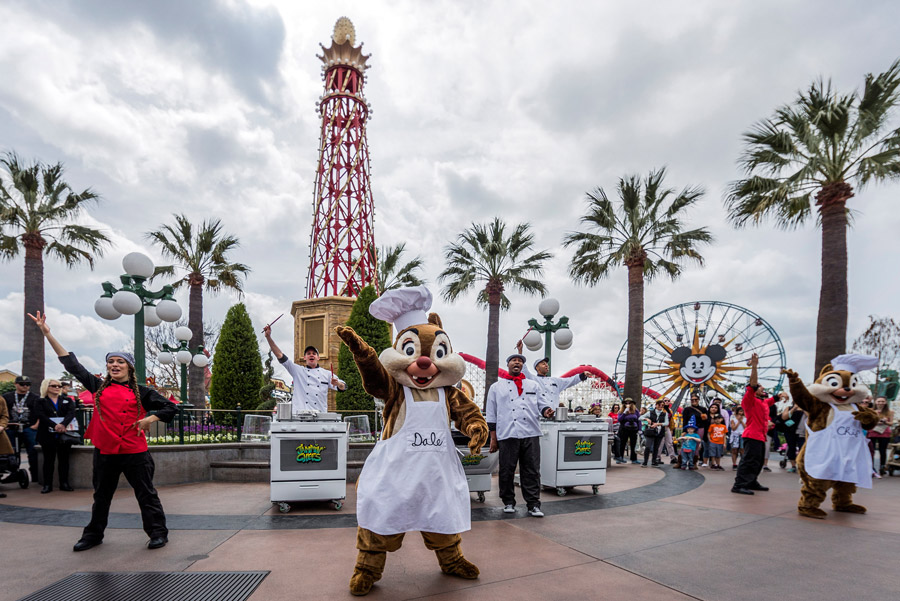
<point x="341" y="245"/>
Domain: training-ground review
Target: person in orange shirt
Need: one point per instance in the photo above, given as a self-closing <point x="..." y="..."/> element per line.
<point x="717" y="432"/>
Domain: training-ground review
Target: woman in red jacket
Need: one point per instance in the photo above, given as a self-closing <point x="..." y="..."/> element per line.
<point x="123" y="412"/>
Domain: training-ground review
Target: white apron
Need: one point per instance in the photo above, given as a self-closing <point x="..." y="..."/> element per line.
<point x="840" y="452"/>
<point x="414" y="480"/>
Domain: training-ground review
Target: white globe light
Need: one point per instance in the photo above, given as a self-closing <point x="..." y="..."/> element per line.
<point x="138" y="264"/>
<point x="104" y="308"/>
<point x="183" y="333"/>
<point x="168" y="310"/>
<point x="563" y="347"/>
<point x="532" y="340"/>
<point x="127" y="302"/>
<point x="548" y="307"/>
<point x="165" y="358"/>
<point x="151" y="319"/>
<point x="563" y="338"/>
<point x="183" y="357"/>
<point x="200" y="360"/>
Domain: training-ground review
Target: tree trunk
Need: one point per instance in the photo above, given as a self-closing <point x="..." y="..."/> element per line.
<point x="492" y="355"/>
<point x="831" y="327"/>
<point x="196" y="388"/>
<point x="32" y="339"/>
<point x="634" y="358"/>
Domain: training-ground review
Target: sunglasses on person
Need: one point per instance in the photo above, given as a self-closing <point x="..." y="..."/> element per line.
<point x="54" y="385"/>
<point x="23" y="383"/>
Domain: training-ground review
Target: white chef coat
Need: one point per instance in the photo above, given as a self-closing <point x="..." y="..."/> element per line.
<point x="552" y="386"/>
<point x="310" y="386"/>
<point x="515" y="415"/>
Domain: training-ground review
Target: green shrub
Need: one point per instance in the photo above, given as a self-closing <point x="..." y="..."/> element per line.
<point x="237" y="367"/>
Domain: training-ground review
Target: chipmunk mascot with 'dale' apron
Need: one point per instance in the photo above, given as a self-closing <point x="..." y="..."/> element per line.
<point x="836" y="454"/>
<point x="413" y="480"/>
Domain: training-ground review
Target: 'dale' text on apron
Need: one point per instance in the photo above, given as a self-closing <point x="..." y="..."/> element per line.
<point x="414" y="480"/>
<point x="839" y="452"/>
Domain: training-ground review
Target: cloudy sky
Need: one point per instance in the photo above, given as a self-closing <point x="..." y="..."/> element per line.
<point x="481" y="109"/>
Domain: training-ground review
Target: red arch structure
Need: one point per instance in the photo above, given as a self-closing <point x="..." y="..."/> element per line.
<point x="617" y="386"/>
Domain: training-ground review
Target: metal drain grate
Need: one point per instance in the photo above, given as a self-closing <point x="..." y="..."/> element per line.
<point x="151" y="586"/>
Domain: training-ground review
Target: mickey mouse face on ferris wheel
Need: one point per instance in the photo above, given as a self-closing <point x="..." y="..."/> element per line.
<point x="699" y="368"/>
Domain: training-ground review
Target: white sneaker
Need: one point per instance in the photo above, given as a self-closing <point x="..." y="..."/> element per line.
<point x="536" y="512"/>
<point x="509" y="509"/>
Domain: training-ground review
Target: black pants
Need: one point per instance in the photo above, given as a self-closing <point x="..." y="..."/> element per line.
<point x="627" y="437"/>
<point x="527" y="453"/>
<point x="791" y="438"/>
<point x="651" y="447"/>
<point x="26" y="440"/>
<point x="138" y="469"/>
<point x="53" y="450"/>
<point x="616" y="451"/>
<point x="880" y="444"/>
<point x="751" y="464"/>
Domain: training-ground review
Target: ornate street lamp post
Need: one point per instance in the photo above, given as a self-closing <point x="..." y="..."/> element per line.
<point x="183" y="355"/>
<point x="133" y="299"/>
<point x="562" y="335"/>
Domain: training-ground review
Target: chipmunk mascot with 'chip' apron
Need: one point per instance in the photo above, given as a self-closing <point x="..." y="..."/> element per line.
<point x="836" y="454"/>
<point x="413" y="480"/>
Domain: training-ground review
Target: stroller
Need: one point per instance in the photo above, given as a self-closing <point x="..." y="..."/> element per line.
<point x="10" y="465"/>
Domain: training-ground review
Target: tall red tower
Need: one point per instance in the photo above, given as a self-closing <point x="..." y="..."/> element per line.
<point x="341" y="246"/>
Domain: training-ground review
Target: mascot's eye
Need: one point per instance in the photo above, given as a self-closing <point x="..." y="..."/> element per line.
<point x="441" y="351"/>
<point x="409" y="348"/>
<point x="854" y="382"/>
<point x="834" y="381"/>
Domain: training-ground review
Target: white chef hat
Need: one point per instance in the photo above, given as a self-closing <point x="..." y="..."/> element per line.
<point x="404" y="307"/>
<point x="854" y="363"/>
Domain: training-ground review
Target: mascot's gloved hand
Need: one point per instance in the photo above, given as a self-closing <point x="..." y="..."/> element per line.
<point x="350" y="338"/>
<point x="791" y="374"/>
<point x="478" y="435"/>
<point x="868" y="418"/>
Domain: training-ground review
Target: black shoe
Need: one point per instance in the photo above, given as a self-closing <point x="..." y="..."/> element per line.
<point x="742" y="491"/>
<point x="84" y="545"/>
<point x="766" y="469"/>
<point x="47" y="488"/>
<point x="758" y="487"/>
<point x="66" y="487"/>
<point x="157" y="542"/>
<point x="2" y="495"/>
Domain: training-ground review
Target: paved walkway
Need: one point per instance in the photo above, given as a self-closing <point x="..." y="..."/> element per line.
<point x="650" y="534"/>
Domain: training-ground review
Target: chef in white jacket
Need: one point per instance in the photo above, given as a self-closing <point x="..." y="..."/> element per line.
<point x="550" y="386"/>
<point x="311" y="382"/>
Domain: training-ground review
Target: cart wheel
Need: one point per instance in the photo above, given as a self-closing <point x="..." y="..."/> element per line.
<point x="336" y="504"/>
<point x="23" y="479"/>
<point x="560" y="491"/>
<point x="284" y="507"/>
<point x="481" y="497"/>
<point x="595" y="489"/>
<point x="783" y="463"/>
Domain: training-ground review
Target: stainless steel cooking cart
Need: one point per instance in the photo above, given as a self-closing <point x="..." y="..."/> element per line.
<point x="308" y="459"/>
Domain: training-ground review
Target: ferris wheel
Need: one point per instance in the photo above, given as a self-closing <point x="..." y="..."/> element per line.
<point x="706" y="346"/>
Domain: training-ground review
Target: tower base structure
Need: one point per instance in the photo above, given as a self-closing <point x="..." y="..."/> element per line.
<point x="314" y="323"/>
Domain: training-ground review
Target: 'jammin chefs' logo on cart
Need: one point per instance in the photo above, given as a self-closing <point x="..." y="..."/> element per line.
<point x="307" y="453"/>
<point x="583" y="447"/>
<point x="471" y="459"/>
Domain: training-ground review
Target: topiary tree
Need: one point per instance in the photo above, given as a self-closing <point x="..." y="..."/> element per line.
<point x="266" y="400"/>
<point x="237" y="369"/>
<point x="374" y="331"/>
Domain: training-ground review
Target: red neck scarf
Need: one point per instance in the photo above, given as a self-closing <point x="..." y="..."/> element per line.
<point x="517" y="379"/>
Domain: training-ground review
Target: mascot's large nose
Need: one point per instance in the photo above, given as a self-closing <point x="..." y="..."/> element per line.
<point x="423" y="362"/>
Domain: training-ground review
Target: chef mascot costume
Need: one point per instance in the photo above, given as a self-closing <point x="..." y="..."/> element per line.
<point x="413" y="479"/>
<point x="836" y="454"/>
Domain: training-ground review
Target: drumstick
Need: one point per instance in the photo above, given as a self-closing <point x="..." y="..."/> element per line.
<point x="331" y="365"/>
<point x="274" y="320"/>
<point x="523" y="336"/>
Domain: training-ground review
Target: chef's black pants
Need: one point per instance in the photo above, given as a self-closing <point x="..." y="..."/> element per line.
<point x="138" y="470"/>
<point x="527" y="453"/>
<point x="751" y="464"/>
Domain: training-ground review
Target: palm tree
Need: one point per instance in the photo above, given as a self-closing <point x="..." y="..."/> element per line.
<point x="643" y="232"/>
<point x="484" y="253"/>
<point x="37" y="210"/>
<point x="202" y="253"/>
<point x="826" y="143"/>
<point x="392" y="273"/>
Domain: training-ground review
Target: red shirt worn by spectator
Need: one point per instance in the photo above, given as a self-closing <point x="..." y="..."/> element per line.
<point x="757" y="412"/>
